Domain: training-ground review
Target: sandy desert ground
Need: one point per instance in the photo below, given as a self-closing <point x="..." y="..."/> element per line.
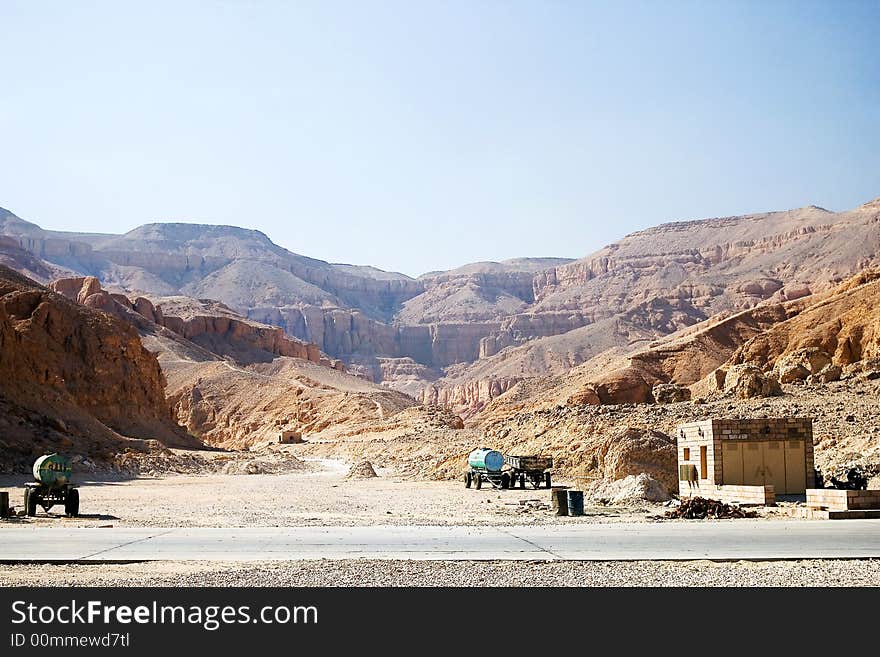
<point x="319" y="492"/>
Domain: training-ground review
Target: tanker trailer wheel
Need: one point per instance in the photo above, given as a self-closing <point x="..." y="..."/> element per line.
<point x="478" y="481"/>
<point x="505" y="481"/>
<point x="30" y="502"/>
<point x="71" y="504"/>
<point x="547" y="479"/>
<point x="468" y="478"/>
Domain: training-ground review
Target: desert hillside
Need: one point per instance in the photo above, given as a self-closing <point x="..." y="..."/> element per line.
<point x="468" y="334"/>
<point x="74" y="378"/>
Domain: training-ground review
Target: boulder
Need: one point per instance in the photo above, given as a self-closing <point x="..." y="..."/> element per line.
<point x="585" y="397"/>
<point x="791" y="372"/>
<point x="624" y="386"/>
<point x="670" y="393"/>
<point x="747" y="381"/>
<point x="811" y="360"/>
<point x="829" y="373"/>
<point x="90" y="286"/>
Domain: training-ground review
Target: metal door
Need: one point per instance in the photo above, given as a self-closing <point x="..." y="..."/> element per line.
<point x="732" y="463"/>
<point x="774" y="464"/>
<point x="753" y="464"/>
<point x="795" y="467"/>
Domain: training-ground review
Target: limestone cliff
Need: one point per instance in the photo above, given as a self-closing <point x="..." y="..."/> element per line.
<point x="206" y="323"/>
<point x="74" y="379"/>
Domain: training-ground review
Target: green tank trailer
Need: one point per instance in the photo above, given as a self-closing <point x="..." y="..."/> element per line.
<point x="52" y="474"/>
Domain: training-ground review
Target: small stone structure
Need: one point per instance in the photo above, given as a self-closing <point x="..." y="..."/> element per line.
<point x="289" y="436"/>
<point x="837" y="504"/>
<point x="749" y="461"/>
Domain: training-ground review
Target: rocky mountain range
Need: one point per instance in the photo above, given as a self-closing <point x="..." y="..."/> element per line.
<point x="464" y="336"/>
<point x="222" y="338"/>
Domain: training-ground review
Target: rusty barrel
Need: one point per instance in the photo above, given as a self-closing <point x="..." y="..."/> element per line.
<point x="559" y="501"/>
<point x="575" y="500"/>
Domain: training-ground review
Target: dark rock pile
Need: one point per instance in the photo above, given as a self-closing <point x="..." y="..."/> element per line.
<point x="699" y="508"/>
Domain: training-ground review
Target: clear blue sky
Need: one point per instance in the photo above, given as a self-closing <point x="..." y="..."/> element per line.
<point x="424" y="135"/>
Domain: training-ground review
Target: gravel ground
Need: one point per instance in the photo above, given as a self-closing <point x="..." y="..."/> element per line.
<point x="321" y="495"/>
<point x="451" y="573"/>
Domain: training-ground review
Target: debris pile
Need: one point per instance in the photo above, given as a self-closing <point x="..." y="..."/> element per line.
<point x="361" y="470"/>
<point x="526" y="506"/>
<point x="269" y="465"/>
<point x="699" y="508"/>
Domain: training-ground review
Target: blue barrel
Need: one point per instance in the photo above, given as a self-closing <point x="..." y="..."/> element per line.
<point x="575" y="502"/>
<point x="486" y="459"/>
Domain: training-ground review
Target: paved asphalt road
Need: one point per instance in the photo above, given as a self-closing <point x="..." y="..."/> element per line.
<point x="736" y="539"/>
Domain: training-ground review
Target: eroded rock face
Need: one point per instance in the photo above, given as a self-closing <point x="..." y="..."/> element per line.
<point x="825" y="340"/>
<point x="651" y="283"/>
<point x="466" y="398"/>
<point x="58" y="357"/>
<point x="25" y="262"/>
<point x="206" y="323"/>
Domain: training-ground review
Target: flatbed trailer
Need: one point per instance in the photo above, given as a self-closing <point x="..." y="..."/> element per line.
<point x="535" y="469"/>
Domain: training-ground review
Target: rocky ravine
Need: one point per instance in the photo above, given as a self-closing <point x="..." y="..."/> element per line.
<point x="235" y="383"/>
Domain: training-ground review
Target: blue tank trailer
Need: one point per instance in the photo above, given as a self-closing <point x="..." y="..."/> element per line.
<point x="489" y="465"/>
<point x="52" y="474"/>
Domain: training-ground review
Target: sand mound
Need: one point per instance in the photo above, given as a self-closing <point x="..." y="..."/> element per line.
<point x="361" y="470"/>
<point x="633" y="489"/>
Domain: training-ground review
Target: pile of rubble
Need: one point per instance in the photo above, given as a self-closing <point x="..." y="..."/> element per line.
<point x="362" y="470"/>
<point x="699" y="508"/>
<point x="526" y="506"/>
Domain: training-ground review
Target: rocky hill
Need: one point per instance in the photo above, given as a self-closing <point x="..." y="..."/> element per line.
<point x="837" y="335"/>
<point x="74" y="378"/>
<point x="818" y="357"/>
<point x="822" y="337"/>
<point x="662" y="280"/>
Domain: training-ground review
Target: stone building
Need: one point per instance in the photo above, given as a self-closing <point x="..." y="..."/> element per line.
<point x="750" y="460"/>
